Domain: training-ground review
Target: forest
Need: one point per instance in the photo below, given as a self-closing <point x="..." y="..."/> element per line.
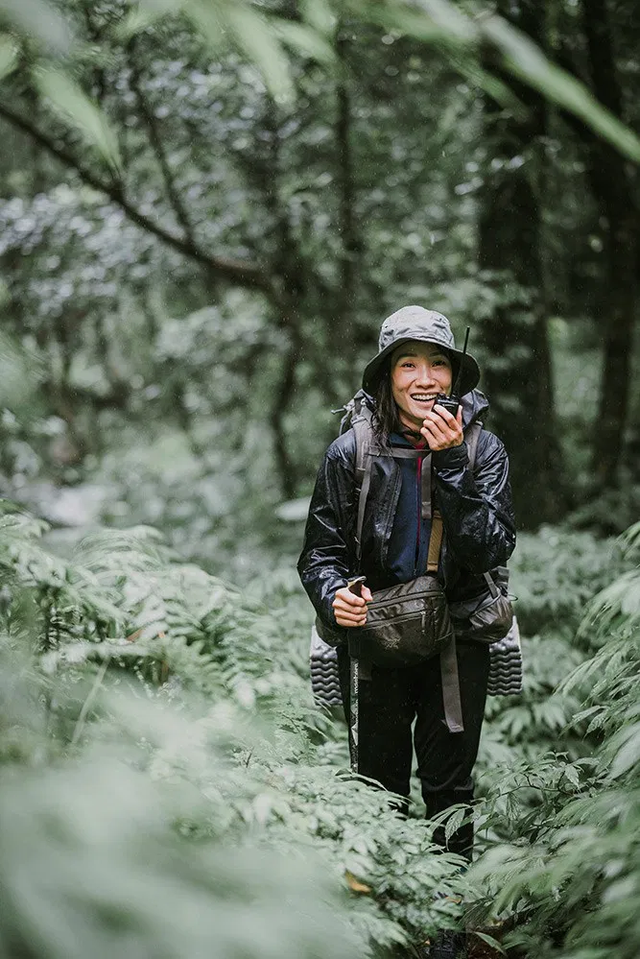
<point x="207" y="208"/>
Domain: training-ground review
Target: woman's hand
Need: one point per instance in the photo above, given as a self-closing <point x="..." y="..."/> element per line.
<point x="349" y="609"/>
<point x="441" y="429"/>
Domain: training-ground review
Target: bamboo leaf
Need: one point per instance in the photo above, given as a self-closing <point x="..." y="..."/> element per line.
<point x="304" y="40"/>
<point x="145" y="14"/>
<point x="41" y="20"/>
<point x="8" y="55"/>
<point x="527" y="62"/>
<point x="454" y="822"/>
<point x="255" y="36"/>
<point x="629" y="753"/>
<point x="71" y="101"/>
<point x="490" y="941"/>
<point x="319" y="15"/>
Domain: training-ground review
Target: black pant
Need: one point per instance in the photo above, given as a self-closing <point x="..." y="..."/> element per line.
<point x="388" y="704"/>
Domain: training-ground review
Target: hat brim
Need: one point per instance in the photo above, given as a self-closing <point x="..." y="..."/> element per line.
<point x="469" y="378"/>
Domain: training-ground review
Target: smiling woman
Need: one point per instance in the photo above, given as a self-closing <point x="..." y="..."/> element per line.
<point x="428" y="521"/>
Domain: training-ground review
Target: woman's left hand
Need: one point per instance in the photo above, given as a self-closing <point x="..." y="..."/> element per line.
<point x="441" y="429"/>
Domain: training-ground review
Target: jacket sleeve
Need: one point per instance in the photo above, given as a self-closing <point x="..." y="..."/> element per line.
<point x="327" y="559"/>
<point x="476" y="507"/>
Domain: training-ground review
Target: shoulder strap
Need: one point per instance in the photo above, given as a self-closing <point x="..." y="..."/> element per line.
<point x="364" y="435"/>
<point x="471" y="439"/>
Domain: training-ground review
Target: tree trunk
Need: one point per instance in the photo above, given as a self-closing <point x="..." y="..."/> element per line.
<point x="614" y="193"/>
<point x="518" y="375"/>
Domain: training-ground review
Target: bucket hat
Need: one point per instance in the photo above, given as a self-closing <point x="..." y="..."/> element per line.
<point x="427" y="326"/>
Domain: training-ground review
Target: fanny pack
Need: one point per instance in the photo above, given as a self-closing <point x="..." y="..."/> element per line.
<point x="409" y="622"/>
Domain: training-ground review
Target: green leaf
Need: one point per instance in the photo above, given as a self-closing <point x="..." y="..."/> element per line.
<point x="527" y="62"/>
<point x="629" y="753"/>
<point x="319" y="15"/>
<point x="146" y="14"/>
<point x="255" y="36"/>
<point x="454" y="822"/>
<point x="495" y="88"/>
<point x="41" y="20"/>
<point x="72" y="102"/>
<point x="490" y="941"/>
<point x="8" y="55"/>
<point x="304" y="40"/>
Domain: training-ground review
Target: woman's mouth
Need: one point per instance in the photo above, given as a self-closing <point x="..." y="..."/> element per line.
<point x="424" y="397"/>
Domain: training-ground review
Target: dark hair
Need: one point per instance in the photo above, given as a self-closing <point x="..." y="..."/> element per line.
<point x="385" y="419"/>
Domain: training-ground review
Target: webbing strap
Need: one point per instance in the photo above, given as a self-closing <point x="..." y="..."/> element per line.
<point x="362" y="502"/>
<point x="435" y="543"/>
<point x="471" y="438"/>
<point x="493" y="589"/>
<point x="451" y="688"/>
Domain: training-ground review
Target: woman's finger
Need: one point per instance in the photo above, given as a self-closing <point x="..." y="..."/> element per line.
<point x="350" y="619"/>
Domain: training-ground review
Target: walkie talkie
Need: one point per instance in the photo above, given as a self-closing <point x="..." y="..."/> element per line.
<point x="452" y="402"/>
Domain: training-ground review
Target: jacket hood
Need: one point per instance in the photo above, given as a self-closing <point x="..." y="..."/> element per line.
<point x="475" y="406"/>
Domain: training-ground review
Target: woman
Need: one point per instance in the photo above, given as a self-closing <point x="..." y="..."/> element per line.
<point x="416" y="362"/>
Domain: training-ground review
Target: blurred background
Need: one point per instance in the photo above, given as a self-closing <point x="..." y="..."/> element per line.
<point x="207" y="215"/>
<point x="207" y="207"/>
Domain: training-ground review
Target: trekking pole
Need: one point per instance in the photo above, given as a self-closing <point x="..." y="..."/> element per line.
<point x="355" y="585"/>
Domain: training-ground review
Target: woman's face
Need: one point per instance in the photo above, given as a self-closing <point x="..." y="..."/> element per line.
<point x="419" y="371"/>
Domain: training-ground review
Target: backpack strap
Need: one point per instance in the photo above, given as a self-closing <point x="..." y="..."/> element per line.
<point x="471" y="439"/>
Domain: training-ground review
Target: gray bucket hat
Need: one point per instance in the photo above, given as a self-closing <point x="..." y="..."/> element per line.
<point x="416" y="323"/>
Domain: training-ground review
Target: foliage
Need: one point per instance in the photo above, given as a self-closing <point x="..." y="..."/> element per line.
<point x="248" y="172"/>
<point x="571" y="870"/>
<point x="210" y="742"/>
<point x="207" y="738"/>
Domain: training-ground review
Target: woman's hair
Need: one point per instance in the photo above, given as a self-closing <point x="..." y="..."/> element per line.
<point x="385" y="418"/>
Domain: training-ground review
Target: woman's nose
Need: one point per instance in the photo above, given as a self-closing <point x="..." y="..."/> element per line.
<point x="424" y="373"/>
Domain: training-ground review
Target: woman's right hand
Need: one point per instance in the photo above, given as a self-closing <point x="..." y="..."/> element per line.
<point x="349" y="609"/>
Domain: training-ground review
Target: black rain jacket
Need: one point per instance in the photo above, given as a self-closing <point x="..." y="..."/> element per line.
<point x="476" y="508"/>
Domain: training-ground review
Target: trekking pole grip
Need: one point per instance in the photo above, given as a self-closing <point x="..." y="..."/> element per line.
<point x="355" y="585"/>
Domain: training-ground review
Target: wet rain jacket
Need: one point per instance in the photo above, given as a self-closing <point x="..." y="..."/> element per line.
<point x="476" y="508"/>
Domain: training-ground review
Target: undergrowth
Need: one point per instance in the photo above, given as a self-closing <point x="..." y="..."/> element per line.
<point x="166" y="760"/>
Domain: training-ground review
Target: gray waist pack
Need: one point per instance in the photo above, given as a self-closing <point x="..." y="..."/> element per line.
<point x="486" y="619"/>
<point x="406" y="624"/>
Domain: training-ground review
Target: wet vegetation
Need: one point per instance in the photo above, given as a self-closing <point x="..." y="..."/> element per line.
<point x="207" y="209"/>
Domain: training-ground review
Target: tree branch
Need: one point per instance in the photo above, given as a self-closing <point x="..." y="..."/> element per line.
<point x="248" y="275"/>
<point x="149" y="120"/>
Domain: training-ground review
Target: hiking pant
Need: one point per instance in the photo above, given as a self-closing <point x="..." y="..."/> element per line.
<point x="391" y="700"/>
